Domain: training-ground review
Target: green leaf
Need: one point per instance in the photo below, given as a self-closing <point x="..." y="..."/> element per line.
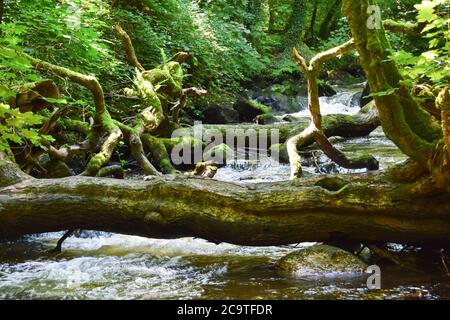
<point x="426" y="10"/>
<point x="12" y="137"/>
<point x="404" y="58"/>
<point x="5" y="92"/>
<point x="7" y="53"/>
<point x="430" y="55"/>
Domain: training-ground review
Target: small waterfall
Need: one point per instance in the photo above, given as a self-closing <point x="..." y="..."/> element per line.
<point x="342" y="102"/>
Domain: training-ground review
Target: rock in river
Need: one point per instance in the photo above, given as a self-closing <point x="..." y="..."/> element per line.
<point x="321" y="260"/>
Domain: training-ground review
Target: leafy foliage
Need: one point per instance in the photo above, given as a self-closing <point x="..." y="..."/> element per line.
<point x="75" y="34"/>
<point x="212" y="32"/>
<point x="17" y="127"/>
<point x="433" y="65"/>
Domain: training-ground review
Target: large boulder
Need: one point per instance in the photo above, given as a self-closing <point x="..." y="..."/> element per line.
<point x="283" y="104"/>
<point x="249" y="109"/>
<point x="217" y="114"/>
<point x="321" y="260"/>
<point x="343" y="78"/>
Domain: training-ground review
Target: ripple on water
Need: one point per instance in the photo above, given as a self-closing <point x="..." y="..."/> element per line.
<point x="111" y="266"/>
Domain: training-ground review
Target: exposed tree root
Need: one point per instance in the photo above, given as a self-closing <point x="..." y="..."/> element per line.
<point x="159" y="153"/>
<point x="106" y="151"/>
<point x="155" y="89"/>
<point x="103" y="121"/>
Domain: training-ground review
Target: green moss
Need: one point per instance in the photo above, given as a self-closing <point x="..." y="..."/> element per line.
<point x="321" y="258"/>
<point x="166" y="166"/>
<point x="167" y="80"/>
<point x="332" y="183"/>
<point x="259" y="107"/>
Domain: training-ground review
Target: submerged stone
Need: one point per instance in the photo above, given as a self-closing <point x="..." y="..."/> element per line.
<point x="321" y="260"/>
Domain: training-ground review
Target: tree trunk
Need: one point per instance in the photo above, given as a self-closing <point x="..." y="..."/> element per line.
<point x="412" y="129"/>
<point x="296" y="27"/>
<point x="312" y="23"/>
<point x="2" y="10"/>
<point x="366" y="208"/>
<point x="330" y="19"/>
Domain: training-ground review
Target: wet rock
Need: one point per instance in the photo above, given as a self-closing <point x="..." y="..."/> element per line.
<point x="289" y="118"/>
<point x="290" y="88"/>
<point x="267" y="118"/>
<point x="321" y="260"/>
<point x="53" y="168"/>
<point x="325" y="90"/>
<point x="341" y="77"/>
<point x="216" y="114"/>
<point x="249" y="109"/>
<point x="365" y="96"/>
<point x="282" y="104"/>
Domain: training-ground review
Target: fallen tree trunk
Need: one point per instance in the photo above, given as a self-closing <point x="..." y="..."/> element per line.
<point x="369" y="208"/>
<point x="341" y="125"/>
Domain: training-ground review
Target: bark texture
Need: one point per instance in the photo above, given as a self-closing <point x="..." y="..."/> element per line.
<point x="366" y="208"/>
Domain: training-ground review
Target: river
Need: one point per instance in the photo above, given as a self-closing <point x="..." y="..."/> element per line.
<point x="100" y="265"/>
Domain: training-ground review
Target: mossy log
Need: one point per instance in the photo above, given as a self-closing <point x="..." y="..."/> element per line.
<point x="333" y="125"/>
<point x="366" y="207"/>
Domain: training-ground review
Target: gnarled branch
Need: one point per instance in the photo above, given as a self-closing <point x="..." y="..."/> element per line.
<point x="102" y="118"/>
<point x="412" y="29"/>
<point x="129" y="49"/>
<point x="315" y="131"/>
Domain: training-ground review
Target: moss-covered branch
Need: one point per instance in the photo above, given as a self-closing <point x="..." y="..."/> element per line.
<point x="339" y="51"/>
<point x="129" y="49"/>
<point x="412" y="29"/>
<point x="102" y="118"/>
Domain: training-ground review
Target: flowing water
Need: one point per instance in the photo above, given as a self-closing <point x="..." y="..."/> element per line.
<point x="110" y="266"/>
